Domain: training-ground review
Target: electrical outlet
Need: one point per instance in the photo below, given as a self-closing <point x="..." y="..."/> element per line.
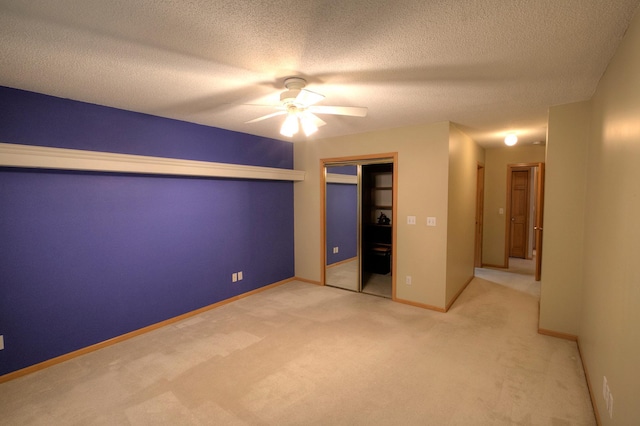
<point x="1" y="342"/>
<point x="240" y="276"/>
<point x="234" y="277"/>
<point x="407" y="280"/>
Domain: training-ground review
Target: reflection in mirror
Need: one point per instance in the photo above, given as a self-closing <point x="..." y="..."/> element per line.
<point x="342" y="268"/>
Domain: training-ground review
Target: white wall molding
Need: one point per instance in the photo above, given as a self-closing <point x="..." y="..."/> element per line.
<point x="338" y="178"/>
<point x="28" y="156"/>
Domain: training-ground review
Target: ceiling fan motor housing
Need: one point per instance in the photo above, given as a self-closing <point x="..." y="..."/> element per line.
<point x="289" y="96"/>
<point x="293" y="85"/>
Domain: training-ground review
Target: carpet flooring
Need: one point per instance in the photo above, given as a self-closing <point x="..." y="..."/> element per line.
<point x="301" y="354"/>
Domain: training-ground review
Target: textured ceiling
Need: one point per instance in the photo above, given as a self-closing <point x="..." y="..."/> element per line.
<point x="491" y="66"/>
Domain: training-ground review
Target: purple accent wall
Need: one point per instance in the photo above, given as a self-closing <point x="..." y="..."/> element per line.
<point x="85" y="257"/>
<point x="30" y="118"/>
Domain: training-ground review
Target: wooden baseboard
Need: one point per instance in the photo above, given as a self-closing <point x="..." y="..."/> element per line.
<point x="304" y="280"/>
<point x="592" y="394"/>
<point x="420" y="305"/>
<point x="490" y="265"/>
<point x="558" y="334"/>
<point x="62" y="358"/>
<point x="455" y="297"/>
<point x="576" y="339"/>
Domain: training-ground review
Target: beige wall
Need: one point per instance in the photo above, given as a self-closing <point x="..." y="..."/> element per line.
<point x="495" y="196"/>
<point x="423" y="173"/>
<point x="610" y="320"/>
<point x="464" y="156"/>
<point x="564" y="211"/>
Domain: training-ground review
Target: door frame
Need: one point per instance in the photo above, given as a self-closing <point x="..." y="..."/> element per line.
<point x="539" y="220"/>
<point x="479" y="215"/>
<point x="539" y="196"/>
<point x="391" y="157"/>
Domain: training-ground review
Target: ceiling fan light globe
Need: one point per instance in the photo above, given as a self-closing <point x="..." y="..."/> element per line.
<point x="308" y="126"/>
<point x="290" y="126"/>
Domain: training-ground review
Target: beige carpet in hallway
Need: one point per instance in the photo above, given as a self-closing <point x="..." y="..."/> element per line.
<point x="301" y="354"/>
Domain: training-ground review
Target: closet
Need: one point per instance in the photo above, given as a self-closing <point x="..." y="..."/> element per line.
<point x="358" y="225"/>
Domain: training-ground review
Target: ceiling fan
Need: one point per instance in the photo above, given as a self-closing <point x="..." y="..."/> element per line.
<point x="299" y="105"/>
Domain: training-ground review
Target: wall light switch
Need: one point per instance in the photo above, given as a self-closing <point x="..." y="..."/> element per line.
<point x="411" y="220"/>
<point x="500" y="210"/>
<point x="407" y="280"/>
<point x="240" y="276"/>
<point x="431" y="221"/>
<point x="1" y="342"/>
<point x="234" y="277"/>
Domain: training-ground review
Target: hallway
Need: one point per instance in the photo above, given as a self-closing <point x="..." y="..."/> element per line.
<point x="519" y="276"/>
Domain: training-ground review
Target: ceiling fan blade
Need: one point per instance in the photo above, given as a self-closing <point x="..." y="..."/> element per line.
<point x="309" y="122"/>
<point x="315" y="119"/>
<point x="281" y="107"/>
<point x="264" y="117"/>
<point x="339" y="110"/>
<point x="308" y="98"/>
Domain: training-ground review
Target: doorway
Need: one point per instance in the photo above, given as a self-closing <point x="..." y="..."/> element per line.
<point x="377" y="227"/>
<point x="525" y="204"/>
<point x="358" y="215"/>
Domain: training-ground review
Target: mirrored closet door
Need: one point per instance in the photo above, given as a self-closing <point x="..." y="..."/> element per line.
<point x="342" y="233"/>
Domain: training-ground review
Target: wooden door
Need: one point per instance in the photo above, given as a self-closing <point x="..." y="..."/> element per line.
<point x="479" y="215"/>
<point x="519" y="213"/>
